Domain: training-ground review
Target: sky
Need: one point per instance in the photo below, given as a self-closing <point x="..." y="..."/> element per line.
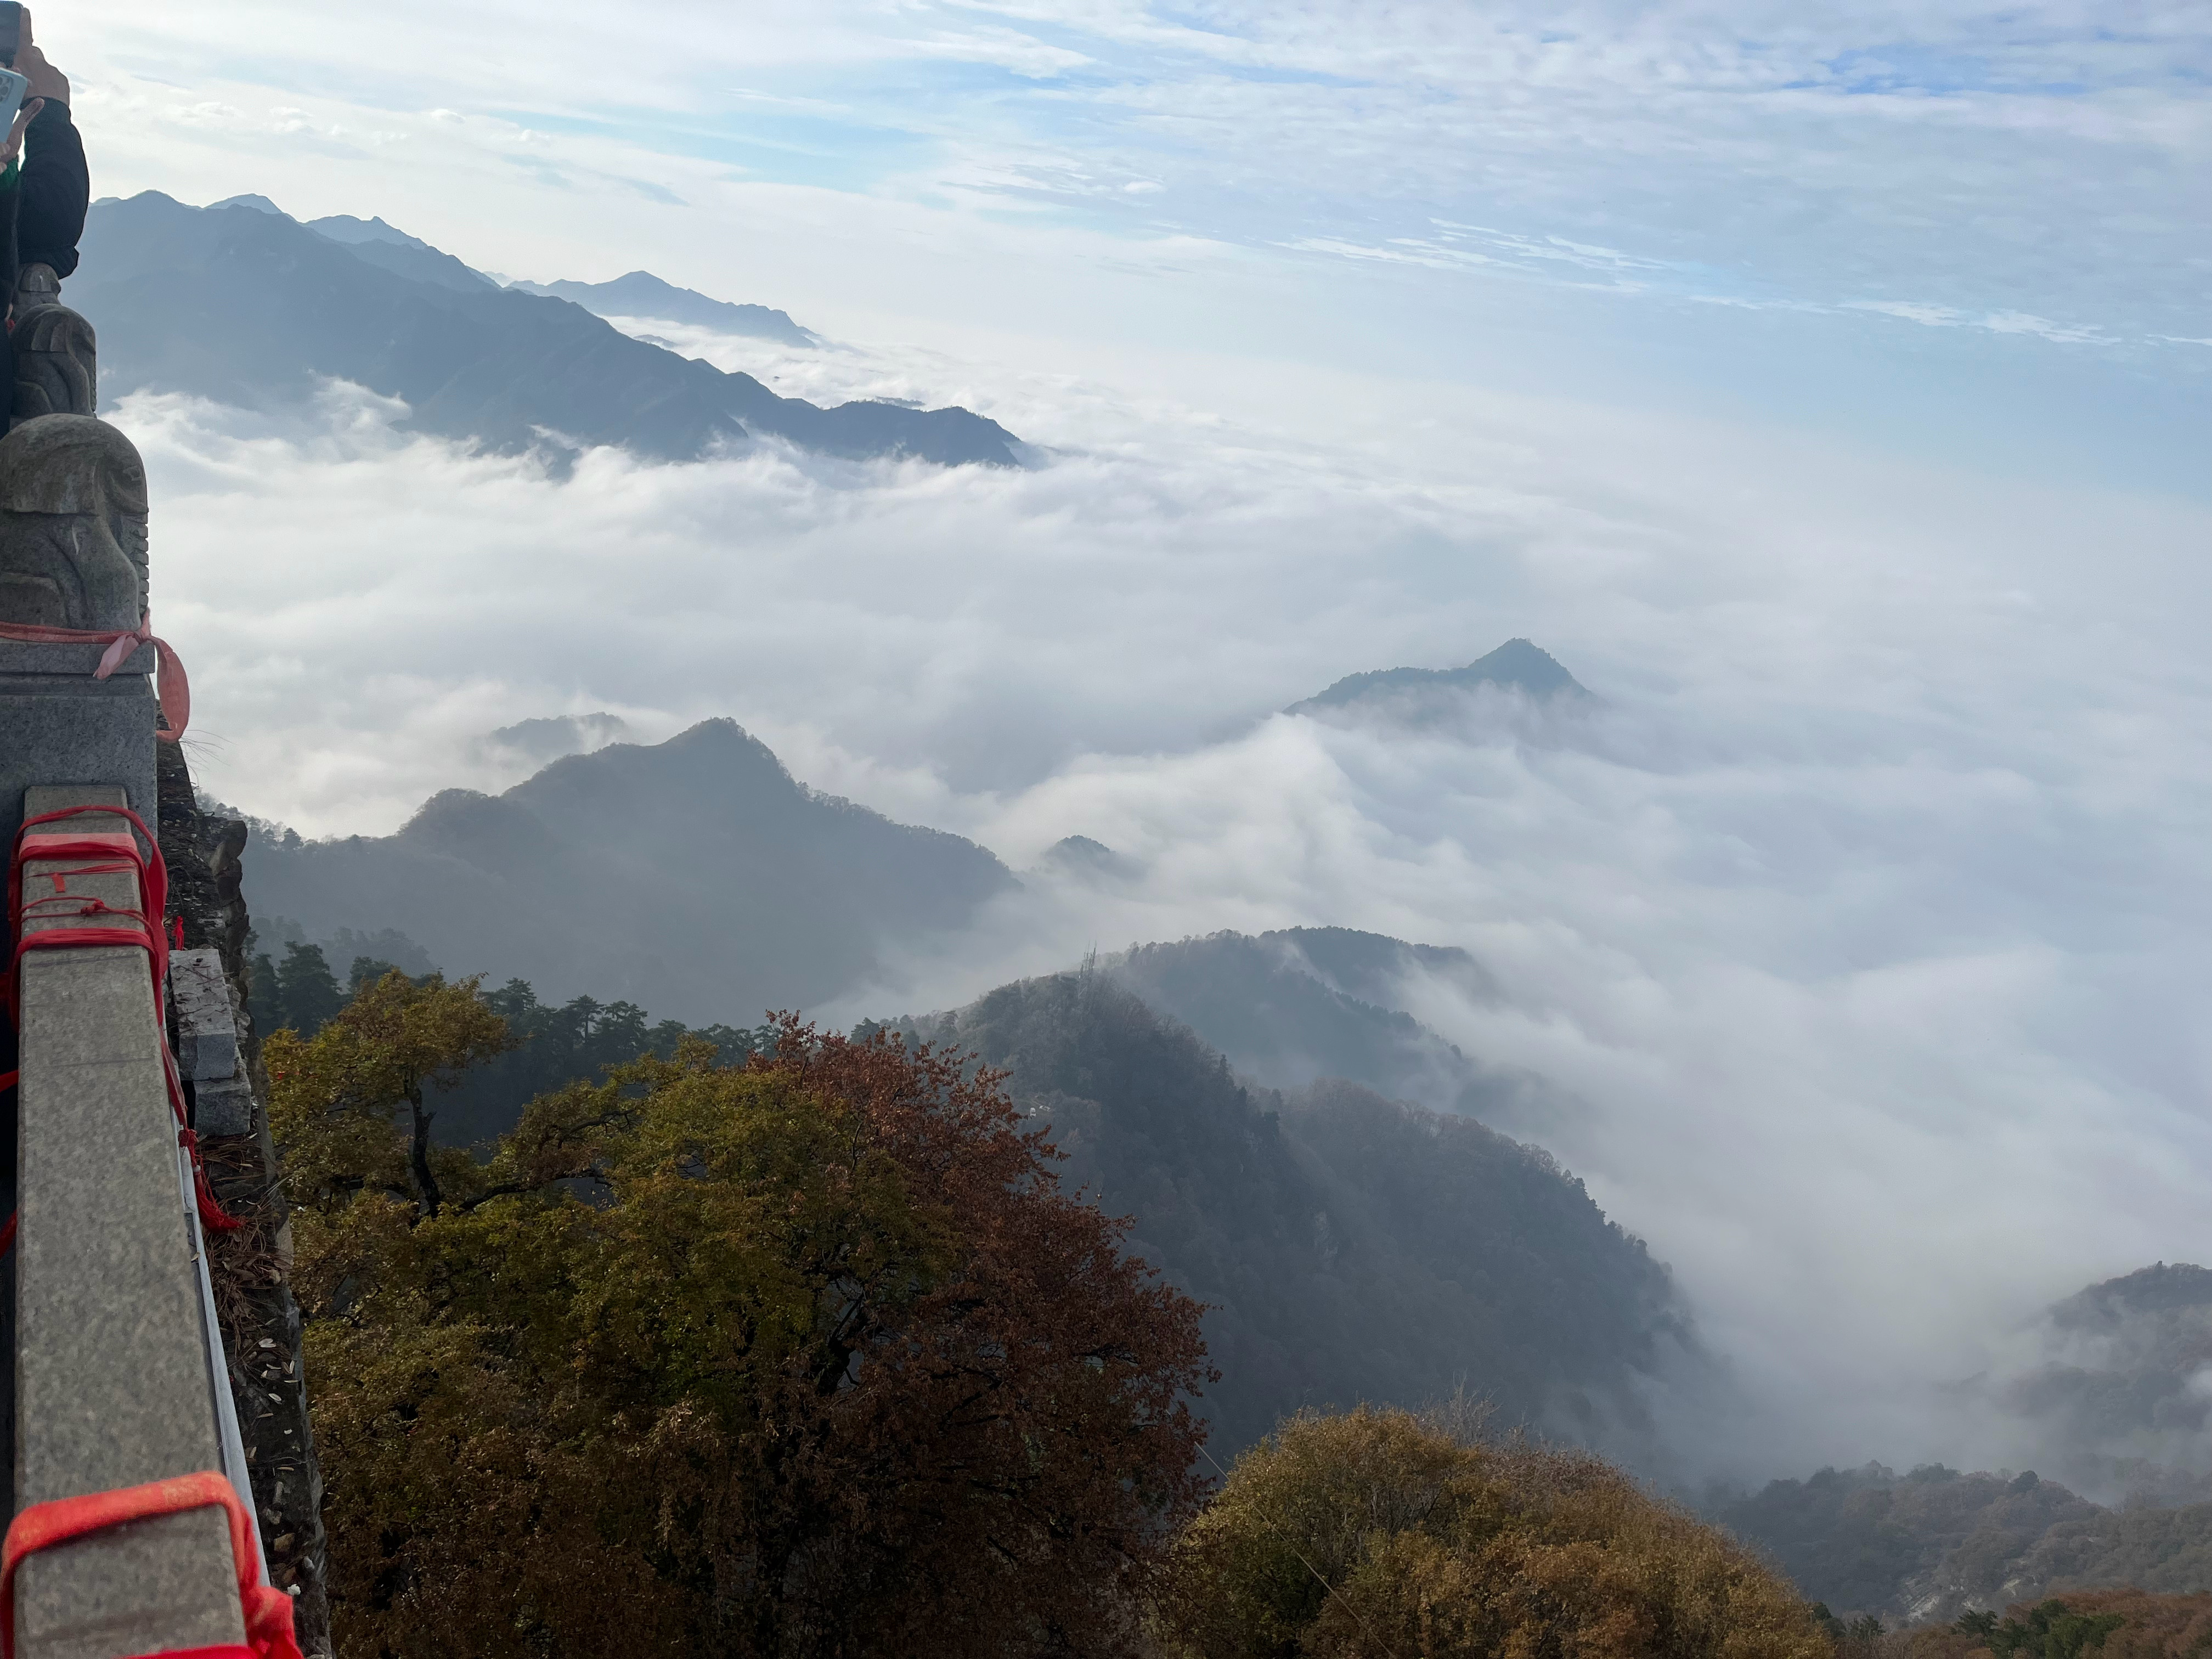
<point x="1825" y="386"/>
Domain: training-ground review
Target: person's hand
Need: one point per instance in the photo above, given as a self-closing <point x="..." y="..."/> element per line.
<point x="13" y="147"/>
<point x="47" y="82"/>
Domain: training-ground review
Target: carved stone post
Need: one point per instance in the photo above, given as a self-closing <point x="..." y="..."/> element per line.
<point x="57" y="355"/>
<point x="73" y="538"/>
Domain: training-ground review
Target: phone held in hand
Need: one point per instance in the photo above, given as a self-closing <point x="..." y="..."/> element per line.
<point x="12" y="88"/>
<point x="11" y="33"/>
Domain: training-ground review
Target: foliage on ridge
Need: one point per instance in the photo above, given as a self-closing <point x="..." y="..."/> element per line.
<point x="805" y="1355"/>
<point x="1377" y="1533"/>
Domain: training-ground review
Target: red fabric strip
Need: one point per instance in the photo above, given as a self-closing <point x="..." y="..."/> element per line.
<point x="119" y="842"/>
<point x="267" y="1612"/>
<point x="171" y="687"/>
<point x="145" y="934"/>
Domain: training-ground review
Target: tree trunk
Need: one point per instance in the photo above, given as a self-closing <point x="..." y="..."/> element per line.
<point x="427" y="1195"/>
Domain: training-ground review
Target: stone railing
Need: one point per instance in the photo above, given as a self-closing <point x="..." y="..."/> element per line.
<point x="123" y="1371"/>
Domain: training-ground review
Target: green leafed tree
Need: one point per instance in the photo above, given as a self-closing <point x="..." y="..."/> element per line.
<point x="807" y="1356"/>
<point x="355" y="1096"/>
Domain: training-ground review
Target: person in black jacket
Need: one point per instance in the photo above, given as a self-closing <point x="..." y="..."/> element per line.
<point x="45" y="190"/>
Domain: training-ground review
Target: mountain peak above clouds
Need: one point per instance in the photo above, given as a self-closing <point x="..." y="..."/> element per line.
<point x="1517" y="665"/>
<point x="696" y="877"/>
<point x="1087" y="860"/>
<point x="244" y="305"/>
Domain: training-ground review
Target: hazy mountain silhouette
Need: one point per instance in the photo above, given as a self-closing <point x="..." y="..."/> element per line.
<point x="250" y="308"/>
<point x="1516" y="666"/>
<point x="401" y="254"/>
<point x="640" y="293"/>
<point x="2113" y="1401"/>
<point x="1086" y="861"/>
<point x="1925" y="1546"/>
<point x="2117" y="1393"/>
<point x="698" y="879"/>
<point x="1353" y="1249"/>
<point x="1290" y="1008"/>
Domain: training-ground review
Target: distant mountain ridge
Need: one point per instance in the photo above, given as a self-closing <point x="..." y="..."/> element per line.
<point x="402" y="255"/>
<point x="1517" y="665"/>
<point x="642" y="294"/>
<point x="2116" y="1402"/>
<point x="244" y="305"/>
<point x="1924" y="1547"/>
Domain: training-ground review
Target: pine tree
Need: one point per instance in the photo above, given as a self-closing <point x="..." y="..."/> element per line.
<point x="265" y="994"/>
<point x="311" y="994"/>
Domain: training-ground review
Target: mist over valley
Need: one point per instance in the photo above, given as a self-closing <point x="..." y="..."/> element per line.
<point x="1589" y="816"/>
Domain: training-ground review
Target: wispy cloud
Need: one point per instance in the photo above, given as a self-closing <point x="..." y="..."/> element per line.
<point x="2021" y="171"/>
<point x="1997" y="322"/>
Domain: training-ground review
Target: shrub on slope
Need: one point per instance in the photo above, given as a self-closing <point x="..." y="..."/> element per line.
<point x="1372" y="1533"/>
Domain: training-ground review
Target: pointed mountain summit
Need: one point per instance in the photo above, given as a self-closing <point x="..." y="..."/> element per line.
<point x="1516" y="665"/>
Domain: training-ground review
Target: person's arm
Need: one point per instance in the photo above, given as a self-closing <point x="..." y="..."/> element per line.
<point x="57" y="185"/>
<point x="57" y="192"/>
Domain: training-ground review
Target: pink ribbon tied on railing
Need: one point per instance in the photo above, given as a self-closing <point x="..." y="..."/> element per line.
<point x="170" y="685"/>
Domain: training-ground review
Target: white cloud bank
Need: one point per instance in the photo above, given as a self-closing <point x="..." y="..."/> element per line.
<point x="1868" y="918"/>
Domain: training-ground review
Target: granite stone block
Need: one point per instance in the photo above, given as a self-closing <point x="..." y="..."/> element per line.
<point x="207" y="1031"/>
<point x="75" y="732"/>
<point x="223" y="1106"/>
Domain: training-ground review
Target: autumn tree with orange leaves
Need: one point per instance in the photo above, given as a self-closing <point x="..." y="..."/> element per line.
<point x="811" y="1357"/>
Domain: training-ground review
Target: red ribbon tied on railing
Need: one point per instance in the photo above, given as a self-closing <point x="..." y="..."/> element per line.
<point x="265" y="1612"/>
<point x="170" y="685"/>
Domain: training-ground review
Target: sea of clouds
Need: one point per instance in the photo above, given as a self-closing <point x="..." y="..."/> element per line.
<point x="1863" y="920"/>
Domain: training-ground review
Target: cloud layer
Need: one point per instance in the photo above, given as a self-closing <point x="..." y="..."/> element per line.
<point x="1863" y="920"/>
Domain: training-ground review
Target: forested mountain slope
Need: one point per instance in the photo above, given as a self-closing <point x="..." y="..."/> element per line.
<point x="1305" y="1003"/>
<point x="250" y="308"/>
<point x="1352" y="1248"/>
<point x="2112" y="1399"/>
<point x="1934" y="1543"/>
